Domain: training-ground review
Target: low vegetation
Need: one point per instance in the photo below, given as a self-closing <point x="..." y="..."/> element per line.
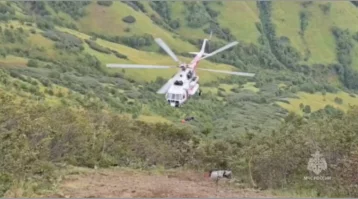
<point x="60" y="105"/>
<point x="36" y="138"/>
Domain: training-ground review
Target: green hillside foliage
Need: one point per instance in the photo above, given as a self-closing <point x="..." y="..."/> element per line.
<point x="38" y="138"/>
<point x="60" y="104"/>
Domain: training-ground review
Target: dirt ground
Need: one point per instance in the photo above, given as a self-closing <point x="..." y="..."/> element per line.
<point x="131" y="184"/>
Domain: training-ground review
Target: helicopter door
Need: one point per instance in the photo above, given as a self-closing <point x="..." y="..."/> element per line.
<point x="186" y="94"/>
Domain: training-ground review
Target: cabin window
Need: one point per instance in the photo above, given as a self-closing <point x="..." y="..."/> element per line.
<point x="178" y="83"/>
<point x="189" y="75"/>
<point x="175" y="97"/>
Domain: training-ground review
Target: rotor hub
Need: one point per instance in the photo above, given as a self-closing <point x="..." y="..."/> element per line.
<point x="183" y="65"/>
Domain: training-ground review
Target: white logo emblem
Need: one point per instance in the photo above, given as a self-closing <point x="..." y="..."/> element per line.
<point x="317" y="163"/>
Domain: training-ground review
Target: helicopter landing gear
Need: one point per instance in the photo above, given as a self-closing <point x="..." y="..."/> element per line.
<point x="199" y="92"/>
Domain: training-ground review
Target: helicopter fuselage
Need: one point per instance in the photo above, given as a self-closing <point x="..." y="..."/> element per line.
<point x="185" y="84"/>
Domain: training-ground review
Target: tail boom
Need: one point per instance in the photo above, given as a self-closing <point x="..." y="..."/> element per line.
<point x="200" y="54"/>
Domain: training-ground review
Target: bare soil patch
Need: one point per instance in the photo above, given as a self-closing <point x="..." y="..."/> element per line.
<point x="110" y="183"/>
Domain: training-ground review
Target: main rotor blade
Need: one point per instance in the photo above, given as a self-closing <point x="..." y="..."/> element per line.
<point x="220" y="49"/>
<point x="164" y="89"/>
<point x="165" y="47"/>
<point x="229" y="72"/>
<point x="138" y="66"/>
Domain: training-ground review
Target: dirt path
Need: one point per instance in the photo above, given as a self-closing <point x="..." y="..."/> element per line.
<point x="130" y="184"/>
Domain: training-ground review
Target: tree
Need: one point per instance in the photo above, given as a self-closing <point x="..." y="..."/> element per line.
<point x="301" y="106"/>
<point x="307" y="109"/>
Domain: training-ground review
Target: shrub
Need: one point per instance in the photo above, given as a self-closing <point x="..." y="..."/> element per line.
<point x="105" y="3"/>
<point x="97" y="47"/>
<point x="119" y="55"/>
<point x="307" y="109"/>
<point x="32" y="63"/>
<point x="338" y="100"/>
<point x="129" y="19"/>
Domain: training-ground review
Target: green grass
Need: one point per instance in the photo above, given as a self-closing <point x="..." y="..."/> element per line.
<point x="63" y="16"/>
<point x="13" y="61"/>
<point x="318" y="36"/>
<point x="214" y="90"/>
<point x="318" y="101"/>
<point x="295" y="193"/>
<point x="231" y="16"/>
<point x="251" y="86"/>
<point x="240" y="17"/>
<point x="17" y="24"/>
<point x="141" y="57"/>
<point x="153" y="119"/>
<point x="178" y="12"/>
<point x="110" y="23"/>
<point x="41" y="41"/>
<point x="227" y="88"/>
<point x="135" y="56"/>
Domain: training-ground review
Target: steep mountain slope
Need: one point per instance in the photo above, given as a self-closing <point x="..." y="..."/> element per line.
<point x="61" y="104"/>
<point x="284" y="36"/>
<point x="315" y="20"/>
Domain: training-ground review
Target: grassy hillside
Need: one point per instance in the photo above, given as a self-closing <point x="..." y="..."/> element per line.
<point x="53" y="56"/>
<point x="319" y="18"/>
<point x="107" y="26"/>
<point x="94" y="22"/>
<point x="240" y="18"/>
<point x="319" y="101"/>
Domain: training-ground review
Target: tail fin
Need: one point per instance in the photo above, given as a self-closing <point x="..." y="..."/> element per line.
<point x="201" y="53"/>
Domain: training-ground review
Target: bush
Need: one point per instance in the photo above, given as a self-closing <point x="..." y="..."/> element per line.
<point x="325" y="8"/>
<point x="338" y="100"/>
<point x="32" y="63"/>
<point x="75" y="9"/>
<point x="64" y="40"/>
<point x="129" y="19"/>
<point x="105" y="3"/>
<point x="196" y="15"/>
<point x="175" y="24"/>
<point x="119" y="55"/>
<point x="136" y="5"/>
<point x="44" y="24"/>
<point x="301" y="106"/>
<point x="97" y="47"/>
<point x="307" y="109"/>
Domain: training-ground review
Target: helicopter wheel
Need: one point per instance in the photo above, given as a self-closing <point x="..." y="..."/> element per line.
<point x="199" y="92"/>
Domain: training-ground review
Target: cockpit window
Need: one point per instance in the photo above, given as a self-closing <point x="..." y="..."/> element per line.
<point x="176" y="97"/>
<point x="178" y="83"/>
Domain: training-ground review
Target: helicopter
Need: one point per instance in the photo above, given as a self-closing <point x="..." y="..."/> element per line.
<point x="185" y="83"/>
